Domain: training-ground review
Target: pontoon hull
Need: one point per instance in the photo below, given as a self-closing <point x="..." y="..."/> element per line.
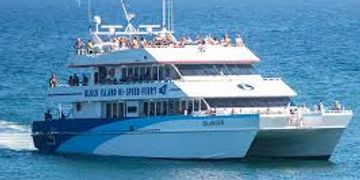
<point x="313" y="136"/>
<point x="317" y="143"/>
<point x="179" y="137"/>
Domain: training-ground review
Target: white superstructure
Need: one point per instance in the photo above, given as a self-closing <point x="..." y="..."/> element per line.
<point x="145" y="72"/>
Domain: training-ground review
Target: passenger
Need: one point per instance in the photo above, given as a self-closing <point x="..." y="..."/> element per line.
<point x="185" y="112"/>
<point x="238" y="40"/>
<point x="76" y="80"/>
<point x="147" y="76"/>
<point x="111" y="76"/>
<point x="320" y="106"/>
<point x="233" y="111"/>
<point x="85" y="80"/>
<point x="115" y="44"/>
<point x="158" y="40"/>
<point x="90" y="47"/>
<point x="47" y="115"/>
<point x="62" y="115"/>
<point x="226" y="40"/>
<point x="71" y="81"/>
<point x="336" y="106"/>
<point x="197" y="40"/>
<point x="215" y="41"/>
<point x="189" y="41"/>
<point x="78" y="45"/>
<point x="52" y="81"/>
<point x="135" y="43"/>
<point x="182" y="42"/>
<point x="143" y="43"/>
<point x="168" y="39"/>
<point x="122" y="42"/>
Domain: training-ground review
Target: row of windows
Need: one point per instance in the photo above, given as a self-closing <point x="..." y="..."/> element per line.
<point x="153" y="108"/>
<point x="248" y="102"/>
<point x="173" y="107"/>
<point x="216" y="69"/>
<point x="109" y="75"/>
<point x="134" y="74"/>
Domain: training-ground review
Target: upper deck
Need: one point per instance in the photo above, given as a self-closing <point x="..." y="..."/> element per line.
<point x="187" y="54"/>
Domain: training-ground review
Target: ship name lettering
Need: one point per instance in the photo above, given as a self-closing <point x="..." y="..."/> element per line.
<point x="91" y="93"/>
<point x="108" y="92"/>
<point x="132" y="91"/>
<point x="213" y="123"/>
<point x="148" y="91"/>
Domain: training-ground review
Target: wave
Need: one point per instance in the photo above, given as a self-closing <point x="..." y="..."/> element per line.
<point x="15" y="137"/>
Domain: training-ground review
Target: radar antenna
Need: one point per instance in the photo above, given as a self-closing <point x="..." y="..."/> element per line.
<point x="128" y="17"/>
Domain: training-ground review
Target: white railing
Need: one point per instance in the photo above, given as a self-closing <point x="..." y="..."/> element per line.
<point x="271" y="79"/>
<point x="109" y="47"/>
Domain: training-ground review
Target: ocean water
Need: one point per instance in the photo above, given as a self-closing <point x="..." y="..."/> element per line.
<point x="313" y="44"/>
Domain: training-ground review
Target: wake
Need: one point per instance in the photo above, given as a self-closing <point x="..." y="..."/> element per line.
<point x="15" y="137"/>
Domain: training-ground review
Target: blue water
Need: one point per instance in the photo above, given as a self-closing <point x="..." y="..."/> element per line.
<point x="313" y="44"/>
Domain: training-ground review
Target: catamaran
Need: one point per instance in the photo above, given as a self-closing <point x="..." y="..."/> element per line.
<point x="149" y="94"/>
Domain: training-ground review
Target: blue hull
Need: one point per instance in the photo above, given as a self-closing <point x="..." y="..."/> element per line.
<point x="84" y="136"/>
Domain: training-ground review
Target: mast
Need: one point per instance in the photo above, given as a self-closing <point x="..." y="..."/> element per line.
<point x="167" y="15"/>
<point x="128" y="17"/>
<point x="164" y="14"/>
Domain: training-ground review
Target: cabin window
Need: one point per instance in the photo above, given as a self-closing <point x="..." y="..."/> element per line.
<point x="132" y="109"/>
<point x="197" y="105"/>
<point x="172" y="107"/>
<point x="146" y="109"/>
<point x="248" y="102"/>
<point x="158" y="108"/>
<point x="102" y="74"/>
<point x="154" y="73"/>
<point x="216" y="69"/>
<point x="115" y="110"/>
<point x="152" y="109"/>
<point x="108" y="110"/>
<point x="123" y="73"/>
<point x="136" y="73"/>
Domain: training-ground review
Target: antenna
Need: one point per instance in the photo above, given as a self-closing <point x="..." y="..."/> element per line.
<point x="89" y="11"/>
<point x="172" y="15"/>
<point x="128" y="17"/>
<point x="164" y="14"/>
<point x="167" y="13"/>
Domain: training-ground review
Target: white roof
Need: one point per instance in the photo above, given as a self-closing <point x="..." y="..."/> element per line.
<point x="176" y="89"/>
<point x="242" y="88"/>
<point x="192" y="54"/>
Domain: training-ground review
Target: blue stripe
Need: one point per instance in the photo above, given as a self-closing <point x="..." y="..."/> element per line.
<point x="87" y="144"/>
<point x="65" y="94"/>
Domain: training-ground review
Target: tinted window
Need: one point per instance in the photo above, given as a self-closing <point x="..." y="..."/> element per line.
<point x="217" y="69"/>
<point x="248" y="102"/>
<point x="132" y="109"/>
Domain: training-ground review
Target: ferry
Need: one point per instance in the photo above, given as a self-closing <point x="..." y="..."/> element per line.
<point x="145" y="93"/>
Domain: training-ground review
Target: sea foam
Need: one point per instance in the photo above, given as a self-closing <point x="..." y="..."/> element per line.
<point x="15" y="137"/>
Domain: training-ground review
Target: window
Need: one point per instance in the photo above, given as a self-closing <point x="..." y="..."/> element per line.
<point x="218" y="69"/>
<point x="115" y="110"/>
<point x="132" y="109"/>
<point x="146" y="109"/>
<point x="108" y="110"/>
<point x="248" y="102"/>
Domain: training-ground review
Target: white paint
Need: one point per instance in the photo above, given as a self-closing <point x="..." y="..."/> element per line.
<point x="188" y="54"/>
<point x="183" y="89"/>
<point x="88" y="110"/>
<point x="185" y="139"/>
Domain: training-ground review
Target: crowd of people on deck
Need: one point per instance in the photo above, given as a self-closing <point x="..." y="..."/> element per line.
<point x="159" y="41"/>
<point x="75" y="80"/>
<point x="72" y="81"/>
